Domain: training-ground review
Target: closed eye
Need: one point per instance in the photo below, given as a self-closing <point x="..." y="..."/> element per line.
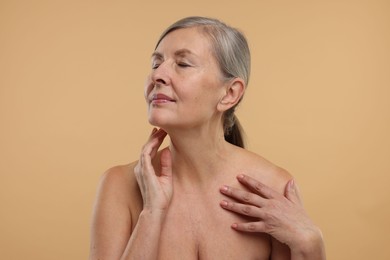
<point x="183" y="65"/>
<point x="155" y="66"/>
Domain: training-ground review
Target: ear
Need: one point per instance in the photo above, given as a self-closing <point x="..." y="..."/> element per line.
<point x="234" y="90"/>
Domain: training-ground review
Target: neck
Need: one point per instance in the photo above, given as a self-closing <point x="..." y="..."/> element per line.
<point x="197" y="154"/>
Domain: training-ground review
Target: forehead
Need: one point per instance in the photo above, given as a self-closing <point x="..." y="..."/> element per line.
<point x="190" y="40"/>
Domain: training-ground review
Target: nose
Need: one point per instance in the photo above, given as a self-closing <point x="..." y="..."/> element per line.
<point x="161" y="75"/>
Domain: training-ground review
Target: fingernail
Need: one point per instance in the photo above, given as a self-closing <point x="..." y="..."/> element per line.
<point x="240" y="176"/>
<point x="291" y="184"/>
<point x="224" y="188"/>
<point x="224" y="203"/>
<point x="154" y="130"/>
<point x="234" y="225"/>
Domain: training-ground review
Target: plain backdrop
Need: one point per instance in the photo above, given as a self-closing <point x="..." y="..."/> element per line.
<point x="71" y="106"/>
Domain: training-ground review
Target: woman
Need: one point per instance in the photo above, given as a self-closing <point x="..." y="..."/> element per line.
<point x="204" y="196"/>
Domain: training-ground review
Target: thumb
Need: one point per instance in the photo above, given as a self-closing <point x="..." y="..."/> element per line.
<point x="166" y="163"/>
<point x="292" y="192"/>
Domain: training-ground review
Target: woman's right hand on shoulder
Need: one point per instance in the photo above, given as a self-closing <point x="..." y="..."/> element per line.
<point x="156" y="187"/>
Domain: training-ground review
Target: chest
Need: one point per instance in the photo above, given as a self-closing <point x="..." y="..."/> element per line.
<point x="196" y="227"/>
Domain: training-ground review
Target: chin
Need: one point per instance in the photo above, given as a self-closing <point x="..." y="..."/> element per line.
<point x="157" y="122"/>
<point x="163" y="125"/>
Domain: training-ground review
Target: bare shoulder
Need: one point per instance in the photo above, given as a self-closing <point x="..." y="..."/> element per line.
<point x="117" y="180"/>
<point x="115" y="212"/>
<point x="265" y="171"/>
<point x="119" y="184"/>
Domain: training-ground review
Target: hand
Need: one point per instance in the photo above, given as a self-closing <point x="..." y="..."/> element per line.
<point x="283" y="217"/>
<point x="156" y="190"/>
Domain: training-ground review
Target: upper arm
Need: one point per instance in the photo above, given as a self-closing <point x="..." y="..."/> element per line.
<point x="111" y="222"/>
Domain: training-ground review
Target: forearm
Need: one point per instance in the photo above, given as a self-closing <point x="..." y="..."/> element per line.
<point x="311" y="248"/>
<point x="144" y="241"/>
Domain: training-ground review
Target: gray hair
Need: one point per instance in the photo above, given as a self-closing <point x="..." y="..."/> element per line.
<point x="230" y="49"/>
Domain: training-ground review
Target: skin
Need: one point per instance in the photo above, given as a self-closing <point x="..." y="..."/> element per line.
<point x="201" y="197"/>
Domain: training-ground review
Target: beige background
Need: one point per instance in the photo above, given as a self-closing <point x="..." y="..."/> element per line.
<point x="71" y="106"/>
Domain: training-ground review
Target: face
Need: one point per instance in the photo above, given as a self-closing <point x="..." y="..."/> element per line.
<point x="185" y="84"/>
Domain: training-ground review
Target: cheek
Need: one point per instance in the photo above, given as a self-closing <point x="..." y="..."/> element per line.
<point x="205" y="103"/>
<point x="210" y="96"/>
<point x="148" y="86"/>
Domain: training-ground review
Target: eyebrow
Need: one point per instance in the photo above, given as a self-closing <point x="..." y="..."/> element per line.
<point x="180" y="53"/>
<point x="183" y="52"/>
<point x="156" y="55"/>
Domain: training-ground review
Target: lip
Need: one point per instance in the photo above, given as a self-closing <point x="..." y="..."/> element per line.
<point x="161" y="98"/>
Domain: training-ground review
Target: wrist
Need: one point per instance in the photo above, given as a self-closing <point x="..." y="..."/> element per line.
<point x="310" y="246"/>
<point x="152" y="214"/>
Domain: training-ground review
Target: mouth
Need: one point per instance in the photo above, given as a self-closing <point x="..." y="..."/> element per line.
<point x="160" y="98"/>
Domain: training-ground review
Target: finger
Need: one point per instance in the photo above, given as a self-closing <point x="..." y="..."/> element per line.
<point x="166" y="163"/>
<point x="159" y="138"/>
<point x="243" y="196"/>
<point x="149" y="151"/>
<point x="242" y="209"/>
<point x="146" y="157"/>
<point x="292" y="192"/>
<point x="147" y="167"/>
<point x="153" y="131"/>
<point x="258" y="226"/>
<point x="154" y="142"/>
<point x="258" y="187"/>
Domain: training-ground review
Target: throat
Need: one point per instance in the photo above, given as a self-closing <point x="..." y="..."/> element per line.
<point x="198" y="167"/>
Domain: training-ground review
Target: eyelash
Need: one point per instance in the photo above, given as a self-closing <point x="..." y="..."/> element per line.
<point x="180" y="64"/>
<point x="183" y="65"/>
